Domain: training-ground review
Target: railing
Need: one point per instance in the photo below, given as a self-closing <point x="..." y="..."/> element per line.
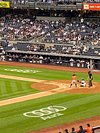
<point x="96" y="129"/>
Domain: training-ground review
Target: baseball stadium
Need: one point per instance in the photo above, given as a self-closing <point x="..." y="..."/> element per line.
<point x="50" y="66"/>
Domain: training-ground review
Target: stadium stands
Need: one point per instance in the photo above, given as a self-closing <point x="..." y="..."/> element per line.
<point x="76" y="38"/>
<point x="19" y="28"/>
<point x="73" y="41"/>
<point x="69" y="1"/>
<point x="70" y="41"/>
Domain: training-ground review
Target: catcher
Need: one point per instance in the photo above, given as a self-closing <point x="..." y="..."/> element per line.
<point x="82" y="83"/>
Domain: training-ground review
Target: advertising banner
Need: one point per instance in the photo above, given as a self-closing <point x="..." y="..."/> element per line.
<point x="4" y="4"/>
<point x="91" y="6"/>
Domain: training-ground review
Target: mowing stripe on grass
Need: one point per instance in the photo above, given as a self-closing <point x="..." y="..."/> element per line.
<point x="23" y="87"/>
<point x="79" y="106"/>
<point x="3" y="88"/>
<point x="8" y="87"/>
<point x="13" y="86"/>
<point x="76" y="101"/>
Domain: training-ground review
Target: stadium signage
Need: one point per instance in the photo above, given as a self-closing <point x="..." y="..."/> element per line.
<point x="46" y="113"/>
<point x="91" y="6"/>
<point x="4" y="4"/>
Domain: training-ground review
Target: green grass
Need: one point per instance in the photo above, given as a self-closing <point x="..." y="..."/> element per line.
<point x="14" y="88"/>
<point x="79" y="106"/>
<point x="45" y="74"/>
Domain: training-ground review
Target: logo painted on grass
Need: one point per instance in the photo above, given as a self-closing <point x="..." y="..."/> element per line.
<point x="22" y="71"/>
<point x="46" y="113"/>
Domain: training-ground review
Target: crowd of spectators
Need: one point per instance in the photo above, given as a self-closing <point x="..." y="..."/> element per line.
<point x="82" y="36"/>
<point x="74" y="38"/>
<point x="51" y="37"/>
<point x="16" y="27"/>
<point x="70" y="1"/>
<point x="47" y="59"/>
<point x="81" y="129"/>
<point x="44" y="54"/>
<point x="53" y="1"/>
<point x="22" y="1"/>
<point x="2" y="53"/>
<point x="76" y="32"/>
<point x="68" y="49"/>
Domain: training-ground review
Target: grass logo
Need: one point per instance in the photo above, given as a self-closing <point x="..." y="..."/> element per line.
<point x="46" y="113"/>
<point x="22" y="71"/>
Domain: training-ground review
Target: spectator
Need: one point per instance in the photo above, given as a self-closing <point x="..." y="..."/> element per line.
<point x="73" y="130"/>
<point x="88" y="129"/>
<point x="66" y="131"/>
<point x="81" y="130"/>
<point x="88" y="65"/>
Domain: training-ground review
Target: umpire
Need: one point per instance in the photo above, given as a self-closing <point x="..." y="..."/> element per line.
<point x="90" y="78"/>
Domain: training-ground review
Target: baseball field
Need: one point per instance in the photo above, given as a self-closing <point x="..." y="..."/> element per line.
<point x="34" y="98"/>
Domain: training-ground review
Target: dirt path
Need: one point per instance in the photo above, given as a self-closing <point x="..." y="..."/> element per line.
<point x="20" y="78"/>
<point x="47" y="88"/>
